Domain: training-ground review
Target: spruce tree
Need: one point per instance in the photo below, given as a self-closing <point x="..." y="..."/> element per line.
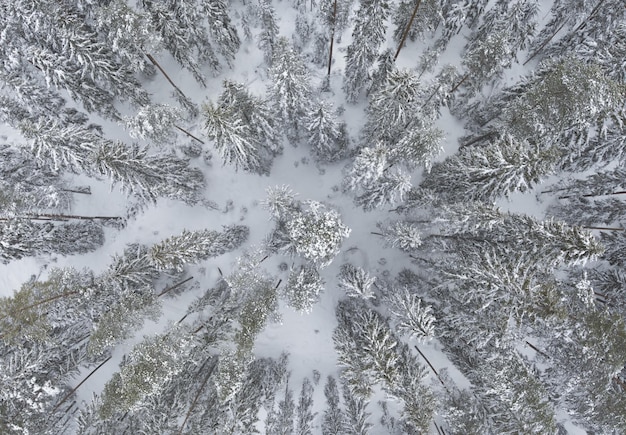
<point x="367" y="36"/>
<point x="290" y="90"/>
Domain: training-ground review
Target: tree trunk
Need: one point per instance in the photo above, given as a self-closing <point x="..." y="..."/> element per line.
<point x="332" y="36"/>
<point x="155" y="63"/>
<point x="68" y="395"/>
<point x="174" y="286"/>
<point x="459" y="83"/>
<point x="588" y="195"/>
<point x="62" y="217"/>
<point x="189" y="134"/>
<point x="195" y="399"/>
<point x="407" y="29"/>
<point x="42" y="302"/>
<point x="536" y="52"/>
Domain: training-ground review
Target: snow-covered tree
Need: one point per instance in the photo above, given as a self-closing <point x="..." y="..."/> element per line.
<point x="303" y="288"/>
<point x="333" y="422"/>
<point x="393" y="107"/>
<point x="325" y="136"/>
<point x="181" y="28"/>
<point x="232" y="137"/>
<point x="426" y="18"/>
<point x="411" y="317"/>
<point x="290" y="90"/>
<point x="154" y="122"/>
<point x="129" y="33"/>
<point x="268" y="37"/>
<point x="308" y="229"/>
<point x="193" y="246"/>
<point x="152" y="363"/>
<point x="488" y="172"/>
<point x="304" y="410"/>
<point x="21" y="237"/>
<point x="257" y="114"/>
<point x="148" y="176"/>
<point x="367" y="36"/>
<point x="401" y="235"/>
<point x="356" y="282"/>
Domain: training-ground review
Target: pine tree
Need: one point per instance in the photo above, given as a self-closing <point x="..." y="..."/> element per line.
<point x="290" y="91"/>
<point x="284" y="419"/>
<point x="307" y="229"/>
<point x="401" y="235"/>
<point x="488" y="172"/>
<point x="410" y="316"/>
<point x="426" y="19"/>
<point x="129" y="33"/>
<point x="356" y="422"/>
<point x="458" y="14"/>
<point x="232" y="139"/>
<point x="334" y="420"/>
<point x="356" y="282"/>
<point x="257" y="114"/>
<point x="375" y="184"/>
<point x="150" y="365"/>
<point x="21" y="237"/>
<point x="193" y="246"/>
<point x="155" y="122"/>
<point x="325" y="137"/>
<point x="393" y="107"/>
<point x="304" y="412"/>
<point x="149" y="176"/>
<point x="181" y="28"/>
<point x="303" y="288"/>
<point x="367" y="36"/>
<point x="268" y="37"/>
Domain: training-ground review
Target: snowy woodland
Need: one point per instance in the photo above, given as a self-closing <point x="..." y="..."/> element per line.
<point x="313" y="217"/>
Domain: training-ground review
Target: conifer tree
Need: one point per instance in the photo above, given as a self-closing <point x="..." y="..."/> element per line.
<point x="304" y="412"/>
<point x="307" y="229"/>
<point x="290" y="91"/>
<point x="488" y="172"/>
<point x="367" y="36"/>
<point x="325" y="136"/>
<point x="333" y="420"/>
<point x="356" y="282"/>
<point x="21" y="237"/>
<point x="182" y="30"/>
<point x="356" y="422"/>
<point x="268" y="37"/>
<point x="257" y="115"/>
<point x="149" y="176"/>
<point x="154" y="122"/>
<point x="303" y="288"/>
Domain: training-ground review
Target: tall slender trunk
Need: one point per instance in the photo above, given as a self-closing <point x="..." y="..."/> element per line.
<point x="189" y="134"/>
<point x="195" y="399"/>
<point x="169" y="289"/>
<point x="73" y="390"/>
<point x="588" y="195"/>
<point x="41" y="302"/>
<point x="432" y="368"/>
<point x="332" y="36"/>
<point x="155" y="63"/>
<point x="455" y="87"/>
<point x="407" y="29"/>
<point x="542" y="46"/>
<point x="62" y="217"/>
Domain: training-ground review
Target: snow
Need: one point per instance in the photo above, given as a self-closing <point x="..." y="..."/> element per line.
<point x="238" y="197"/>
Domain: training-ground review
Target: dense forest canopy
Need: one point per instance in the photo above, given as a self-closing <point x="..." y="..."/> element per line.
<point x="355" y="163"/>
